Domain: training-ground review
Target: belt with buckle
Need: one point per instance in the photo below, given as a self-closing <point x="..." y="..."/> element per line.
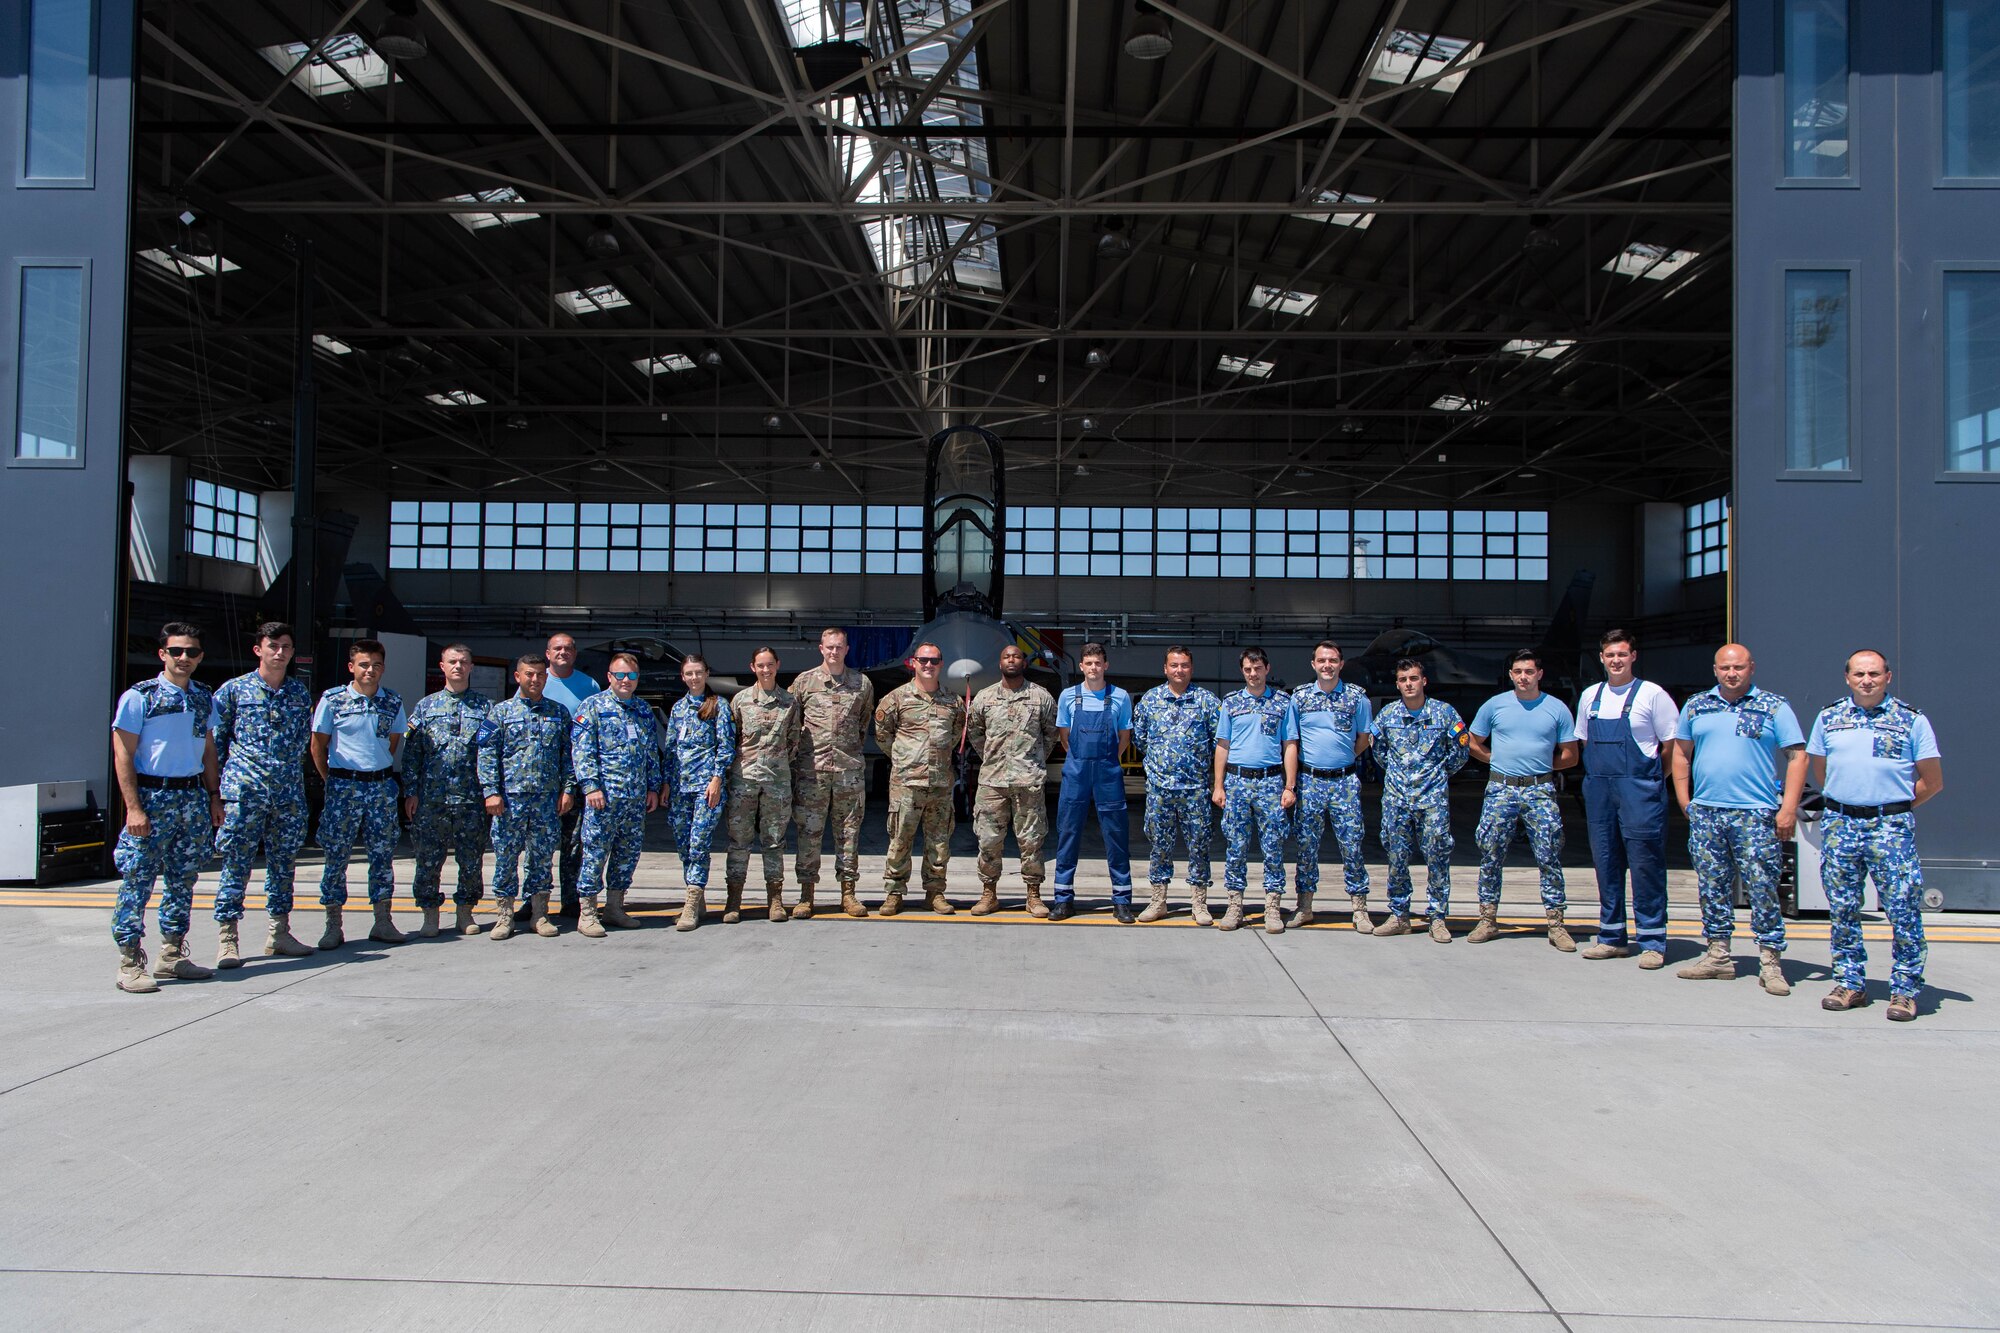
<point x="1867" y="811"/>
<point x="1532" y="780"/>
<point x="358" y="775"/>
<point x="1239" y="771"/>
<point x="151" y="783"/>
<point x="1329" y="773"/>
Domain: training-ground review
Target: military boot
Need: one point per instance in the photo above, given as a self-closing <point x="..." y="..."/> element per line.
<point x="503" y="918"/>
<point x="384" y="930"/>
<point x="1488" y="927"/>
<point x="732" y="904"/>
<point x="1158" y="907"/>
<point x="1440" y="928"/>
<point x="226" y="956"/>
<point x="935" y="900"/>
<point x="1397" y="924"/>
<point x="335" y="933"/>
<point x="1558" y="932"/>
<point x="1603" y="950"/>
<point x="280" y="942"/>
<point x="850" y="902"/>
<point x="132" y="970"/>
<point x="804" y="910"/>
<point x="175" y="965"/>
<point x="1233" y="917"/>
<point x="691" y="908"/>
<point x="1274" y="914"/>
<point x="892" y="903"/>
<point x="774" y="899"/>
<point x="429" y="929"/>
<point x="1036" y="907"/>
<point x="1304" y="915"/>
<point x="1198" y="905"/>
<point x="538" y="912"/>
<point x="587" y="924"/>
<point x="614" y="913"/>
<point x="1364" y="924"/>
<point x="466" y="924"/>
<point x="989" y="900"/>
<point x="1714" y="965"/>
<point x="1771" y="973"/>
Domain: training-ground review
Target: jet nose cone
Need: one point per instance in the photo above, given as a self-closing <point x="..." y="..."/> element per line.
<point x="963" y="670"/>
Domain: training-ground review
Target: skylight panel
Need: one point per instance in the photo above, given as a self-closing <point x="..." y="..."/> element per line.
<point x="1545" y="349"/>
<point x="1452" y="402"/>
<point x="331" y="345"/>
<point x="503" y="194"/>
<point x="1284" y="302"/>
<point x="343" y="64"/>
<point x="1643" y="260"/>
<point x="670" y="364"/>
<point x="1243" y="365"/>
<point x="591" y="300"/>
<point x="1359" y="221"/>
<point x="1408" y="56"/>
<point x="190" y="266"/>
<point x="454" y="398"/>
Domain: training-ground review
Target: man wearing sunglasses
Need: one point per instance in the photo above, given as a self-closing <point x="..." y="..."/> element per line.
<point x="919" y="726"/>
<point x="165" y="760"/>
<point x="261" y="724"/>
<point x="615" y="748"/>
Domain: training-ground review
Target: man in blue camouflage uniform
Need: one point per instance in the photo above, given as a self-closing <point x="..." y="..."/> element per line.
<point x="1420" y="743"/>
<point x="165" y="762"/>
<point x="356" y="730"/>
<point x="615" y="748"/>
<point x="441" y="796"/>
<point x="1174" y="728"/>
<point x="1875" y="759"/>
<point x="1729" y="744"/>
<point x="701" y="744"/>
<point x="262" y="721"/>
<point x="1333" y="731"/>
<point x="1527" y="737"/>
<point x="1256" y="777"/>
<point x="524" y="771"/>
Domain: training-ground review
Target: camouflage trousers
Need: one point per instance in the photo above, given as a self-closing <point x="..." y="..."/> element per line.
<point x="176" y="848"/>
<point x="1850" y="851"/>
<point x="530" y="824"/>
<point x="278" y="824"/>
<point x="459" y="826"/>
<point x="758" y="814"/>
<point x="1027" y="809"/>
<point x="1334" y="802"/>
<point x="829" y="798"/>
<point x="914" y="809"/>
<point x="1253" y="804"/>
<point x="1725" y="844"/>
<point x="612" y="840"/>
<point x="1534" y="809"/>
<point x="1178" y="818"/>
<point x="694" y="821"/>
<point x="1411" y="829"/>
<point x="363" y="812"/>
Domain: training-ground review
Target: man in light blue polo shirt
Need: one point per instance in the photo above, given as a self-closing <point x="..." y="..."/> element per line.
<point x="569" y="687"/>
<point x="1334" y="718"/>
<point x="1094" y="720"/>
<point x="1874" y="759"/>
<point x="1256" y="784"/>
<point x="1527" y="737"/>
<point x="356" y="730"/>
<point x="1729" y="746"/>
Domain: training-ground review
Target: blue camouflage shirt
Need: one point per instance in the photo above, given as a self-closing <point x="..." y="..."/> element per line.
<point x="696" y="750"/>
<point x="171" y="723"/>
<point x="1871" y="753"/>
<point x="1419" y="751"/>
<point x="261" y="736"/>
<point x="1175" y="734"/>
<point x="439" y="762"/>
<point x="524" y="748"/>
<point x="615" y="746"/>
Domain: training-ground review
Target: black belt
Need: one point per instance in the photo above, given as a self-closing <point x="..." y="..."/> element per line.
<point x="151" y="783"/>
<point x="1532" y="780"/>
<point x="1239" y="771"/>
<point x="1866" y="811"/>
<point x="1329" y="773"/>
<point x="357" y="775"/>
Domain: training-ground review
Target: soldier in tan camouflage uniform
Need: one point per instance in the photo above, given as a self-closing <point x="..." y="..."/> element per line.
<point x="829" y="783"/>
<point x="760" y="783"/>
<point x="919" y="726"/>
<point x="1012" y="726"/>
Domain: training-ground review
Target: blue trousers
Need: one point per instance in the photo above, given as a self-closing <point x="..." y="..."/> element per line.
<point x="1178" y="817"/>
<point x="1851" y="851"/>
<point x="176" y="849"/>
<point x="363" y="812"/>
<point x="1334" y="802"/>
<point x="1254" y="804"/>
<point x="1726" y="844"/>
<point x="1102" y="785"/>
<point x="1628" y="832"/>
<point x="1534" y="809"/>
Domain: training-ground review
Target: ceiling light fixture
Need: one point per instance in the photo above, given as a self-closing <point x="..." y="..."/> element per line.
<point x="1150" y="37"/>
<point x="1096" y="357"/>
<point x="602" y="243"/>
<point x="517" y="421"/>
<point x="1115" y="243"/>
<point x="401" y="37"/>
<point x="711" y="357"/>
<point x="773" y="421"/>
<point x="1089" y="425"/>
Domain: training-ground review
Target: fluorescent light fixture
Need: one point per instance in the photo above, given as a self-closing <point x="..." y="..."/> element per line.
<point x="1282" y="301"/>
<point x="1452" y="402"/>
<point x="343" y="64"/>
<point x="591" y="300"/>
<point x="455" y="398"/>
<point x="502" y="194"/>
<point x="1359" y="221"/>
<point x="1409" y="56"/>
<point x="671" y="363"/>
<point x="1642" y="260"/>
<point x="189" y="266"/>
<point x="326" y="342"/>
<point x="1243" y="365"/>
<point x="1546" y="349"/>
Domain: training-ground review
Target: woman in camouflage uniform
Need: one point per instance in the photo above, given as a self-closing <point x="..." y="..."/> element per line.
<point x="701" y="742"/>
<point x="760" y="783"/>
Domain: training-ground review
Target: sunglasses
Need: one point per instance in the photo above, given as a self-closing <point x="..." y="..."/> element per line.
<point x="624" y="675"/>
<point x="927" y="661"/>
<point x="182" y="652"/>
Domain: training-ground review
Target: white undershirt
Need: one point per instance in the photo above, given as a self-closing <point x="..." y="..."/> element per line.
<point x="1654" y="716"/>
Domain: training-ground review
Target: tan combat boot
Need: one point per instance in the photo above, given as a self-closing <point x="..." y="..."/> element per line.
<point x="1396" y="924"/>
<point x="281" y="943"/>
<point x="335" y="933"/>
<point x="614" y="913"/>
<point x="1652" y="960"/>
<point x="384" y="930"/>
<point x="774" y="899"/>
<point x="892" y="903"/>
<point x="935" y="900"/>
<point x="1274" y="914"/>
<point x="175" y="965"/>
<point x="132" y="970"/>
<point x="1771" y="973"/>
<point x="804" y="910"/>
<point x="466" y="924"/>
<point x="587" y="924"/>
<point x="1440" y="928"/>
<point x="1036" y="907"/>
<point x="1488" y="927"/>
<point x="226" y="956"/>
<point x="1304" y="915"/>
<point x="850" y="902"/>
<point x="989" y="900"/>
<point x="1157" y="908"/>
<point x="538" y="912"/>
<point x="429" y="929"/>
<point x="732" y="904"/>
<point x="1364" y="924"/>
<point x="1198" y="905"/>
<point x="1233" y="917"/>
<point x="1714" y="965"/>
<point x="503" y="918"/>
<point x="691" y="908"/>
<point x="1558" y="932"/>
<point x="1603" y="950"/>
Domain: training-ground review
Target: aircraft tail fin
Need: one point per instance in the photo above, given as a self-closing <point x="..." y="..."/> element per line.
<point x="1562" y="642"/>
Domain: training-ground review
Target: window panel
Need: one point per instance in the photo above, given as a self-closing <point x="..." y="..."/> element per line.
<point x="1818" y="362"/>
<point x="221" y="523"/>
<point x="1972" y="372"/>
<point x="49" y="397"/>
<point x="1236" y="566"/>
<point x="1969" y="38"/>
<point x="1816" y="100"/>
<point x="59" y="119"/>
<point x="1707" y="539"/>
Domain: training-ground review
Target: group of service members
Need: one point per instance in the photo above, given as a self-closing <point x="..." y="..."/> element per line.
<point x="564" y="773"/>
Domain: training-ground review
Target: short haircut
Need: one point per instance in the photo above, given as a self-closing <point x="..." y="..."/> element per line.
<point x="535" y="660"/>
<point x="272" y="629"/>
<point x="1612" y="636"/>
<point x="563" y="634"/>
<point x="833" y="629"/>
<point x="1523" y="655"/>
<point x="916" y="648"/>
<point x="356" y="647"/>
<point x="622" y="656"/>
<point x="1411" y="664"/>
<point x="1329" y="643"/>
<point x="178" y="629"/>
<point x="1093" y="649"/>
<point x="1178" y="651"/>
<point x="1872" y="652"/>
<point x="453" y="648"/>
<point x="1253" y="655"/>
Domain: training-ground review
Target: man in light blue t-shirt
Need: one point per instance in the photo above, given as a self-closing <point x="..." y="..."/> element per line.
<point x="1333" y="718"/>
<point x="1729" y="746"/>
<point x="1527" y="737"/>
<point x="569" y="687"/>
<point x="1256" y="784"/>
<point x="355" y="732"/>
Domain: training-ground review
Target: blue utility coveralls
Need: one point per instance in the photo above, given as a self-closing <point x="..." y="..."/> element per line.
<point x="1625" y="798"/>
<point x="1091" y="776"/>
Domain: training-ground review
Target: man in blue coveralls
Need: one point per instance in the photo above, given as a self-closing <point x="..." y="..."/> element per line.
<point x="1094" y="721"/>
<point x="1625" y="721"/>
<point x="1527" y="737"/>
<point x="1333" y="731"/>
<point x="1256" y="784"/>
<point x="355" y="732"/>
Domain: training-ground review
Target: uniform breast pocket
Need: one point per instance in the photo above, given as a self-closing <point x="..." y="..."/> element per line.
<point x="1891" y="745"/>
<point x="1751" y="725"/>
<point x="1270" y="726"/>
<point x="382" y="721"/>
